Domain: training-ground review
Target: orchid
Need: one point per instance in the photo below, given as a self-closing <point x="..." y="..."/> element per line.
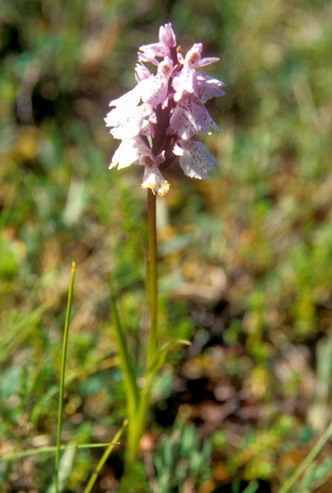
<point x="159" y="119"/>
<point x="158" y="122"/>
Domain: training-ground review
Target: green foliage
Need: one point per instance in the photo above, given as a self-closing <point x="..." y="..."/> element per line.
<point x="315" y="476"/>
<point x="181" y="461"/>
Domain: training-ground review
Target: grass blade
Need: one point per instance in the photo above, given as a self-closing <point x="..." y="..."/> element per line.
<point x="50" y="450"/>
<point x="307" y="461"/>
<point x="126" y="363"/>
<point x="65" y="468"/>
<point x="251" y="488"/>
<point x="62" y="377"/>
<point x="103" y="459"/>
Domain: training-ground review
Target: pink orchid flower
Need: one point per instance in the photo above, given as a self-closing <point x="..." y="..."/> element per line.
<point x="158" y="120"/>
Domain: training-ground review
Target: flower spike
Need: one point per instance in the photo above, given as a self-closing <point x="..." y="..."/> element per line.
<point x="159" y="119"/>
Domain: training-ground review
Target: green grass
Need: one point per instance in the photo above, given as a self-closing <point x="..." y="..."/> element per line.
<point x="63" y="374"/>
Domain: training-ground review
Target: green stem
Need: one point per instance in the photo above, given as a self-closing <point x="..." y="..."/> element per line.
<point x="62" y="377"/>
<point x="136" y="431"/>
<point x="307" y="461"/>
<point x="152" y="279"/>
<point x="136" y="426"/>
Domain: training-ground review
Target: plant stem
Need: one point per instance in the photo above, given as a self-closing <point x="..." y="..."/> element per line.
<point x="152" y="279"/>
<point x="136" y="425"/>
<point x="62" y="377"/>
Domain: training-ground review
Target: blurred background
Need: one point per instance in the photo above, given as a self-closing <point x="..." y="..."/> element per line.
<point x="245" y="257"/>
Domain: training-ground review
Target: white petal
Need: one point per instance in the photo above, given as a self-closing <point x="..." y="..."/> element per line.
<point x="130" y="98"/>
<point x="195" y="159"/>
<point x="182" y="123"/>
<point x="129" y="122"/>
<point x="154" y="179"/>
<point x="153" y="49"/>
<point x="126" y="154"/>
<point x="190" y="117"/>
<point x="148" y="53"/>
<point x="207" y="61"/>
<point x="142" y="72"/>
<point x="184" y="83"/>
<point x="177" y="150"/>
<point x="154" y="90"/>
<point x="127" y="129"/>
<point x="208" y="87"/>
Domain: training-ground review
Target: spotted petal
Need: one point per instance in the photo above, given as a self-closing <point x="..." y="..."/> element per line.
<point x="126" y="154"/>
<point x="208" y="87"/>
<point x="190" y="117"/>
<point x="195" y="159"/>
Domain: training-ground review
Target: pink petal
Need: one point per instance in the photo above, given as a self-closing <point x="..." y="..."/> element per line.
<point x="165" y="68"/>
<point x="195" y="159"/>
<point x="193" y="56"/>
<point x="167" y="36"/>
<point x="142" y="72"/>
<point x="183" y="83"/>
<point x="145" y="57"/>
<point x="207" y="61"/>
<point x="190" y="117"/>
<point x="208" y="87"/>
<point x="154" y="91"/>
<point x="153" y="50"/>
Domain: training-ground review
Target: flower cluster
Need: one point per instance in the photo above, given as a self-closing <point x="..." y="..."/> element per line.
<point x="158" y="119"/>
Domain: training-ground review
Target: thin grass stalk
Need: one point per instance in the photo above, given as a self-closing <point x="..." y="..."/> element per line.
<point x="307" y="461"/>
<point x="49" y="450"/>
<point x="104" y="458"/>
<point x="62" y="376"/>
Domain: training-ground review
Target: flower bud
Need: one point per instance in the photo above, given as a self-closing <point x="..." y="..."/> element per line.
<point x="167" y="36"/>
